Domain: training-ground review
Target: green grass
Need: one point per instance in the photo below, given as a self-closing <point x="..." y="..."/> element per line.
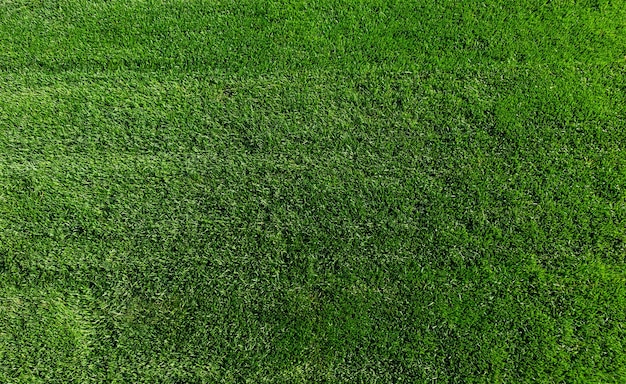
<point x="327" y="191"/>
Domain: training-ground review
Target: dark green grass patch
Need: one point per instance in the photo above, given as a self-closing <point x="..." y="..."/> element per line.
<point x="216" y="191"/>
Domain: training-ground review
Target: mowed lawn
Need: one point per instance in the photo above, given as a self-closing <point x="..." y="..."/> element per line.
<point x="380" y="191"/>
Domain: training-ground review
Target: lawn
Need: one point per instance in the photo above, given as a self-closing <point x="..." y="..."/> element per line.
<point x="376" y="191"/>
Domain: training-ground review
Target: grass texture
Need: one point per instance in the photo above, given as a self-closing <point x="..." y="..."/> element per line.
<point x="376" y="191"/>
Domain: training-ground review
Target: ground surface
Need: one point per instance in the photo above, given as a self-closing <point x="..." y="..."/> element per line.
<point x="322" y="191"/>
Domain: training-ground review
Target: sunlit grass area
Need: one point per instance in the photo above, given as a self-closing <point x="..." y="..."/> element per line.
<point x="328" y="191"/>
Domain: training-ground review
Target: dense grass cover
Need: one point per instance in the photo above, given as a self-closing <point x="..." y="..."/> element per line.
<point x="312" y="191"/>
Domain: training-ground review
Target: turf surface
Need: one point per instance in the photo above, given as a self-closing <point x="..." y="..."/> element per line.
<point x="325" y="191"/>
